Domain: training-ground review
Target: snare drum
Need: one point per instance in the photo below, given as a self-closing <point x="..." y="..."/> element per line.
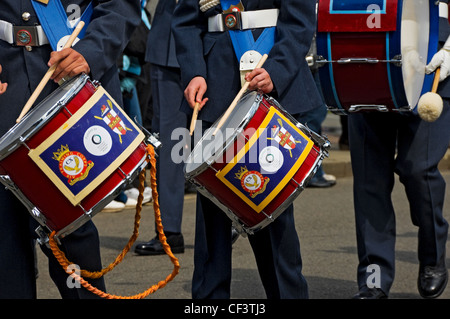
<point x="71" y="155"/>
<point x="257" y="164"/>
<point x="373" y="53"/>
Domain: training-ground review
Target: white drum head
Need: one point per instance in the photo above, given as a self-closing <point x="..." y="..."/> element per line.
<point x="210" y="147"/>
<point x="415" y="29"/>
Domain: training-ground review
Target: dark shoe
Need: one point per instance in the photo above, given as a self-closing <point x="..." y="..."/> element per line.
<point x="432" y="281"/>
<point x="370" y="293"/>
<point x="320" y="182"/>
<point x="154" y="246"/>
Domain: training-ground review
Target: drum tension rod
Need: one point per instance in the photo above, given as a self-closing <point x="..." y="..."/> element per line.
<point x="67" y="110"/>
<point x="396" y="60"/>
<point x="125" y="176"/>
<point x="268" y="216"/>
<point x="24" y="144"/>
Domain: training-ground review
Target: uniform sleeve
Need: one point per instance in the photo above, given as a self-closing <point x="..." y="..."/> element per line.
<point x="295" y="29"/>
<point x="444" y="27"/>
<point x="188" y="26"/>
<point x="108" y="33"/>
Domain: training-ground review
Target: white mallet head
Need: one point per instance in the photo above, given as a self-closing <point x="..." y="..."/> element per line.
<point x="430" y="106"/>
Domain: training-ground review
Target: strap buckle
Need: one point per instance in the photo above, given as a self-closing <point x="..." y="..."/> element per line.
<point x="232" y="20"/>
<point x="25" y="36"/>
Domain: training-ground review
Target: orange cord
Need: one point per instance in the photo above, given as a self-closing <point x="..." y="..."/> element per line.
<point x="60" y="256"/>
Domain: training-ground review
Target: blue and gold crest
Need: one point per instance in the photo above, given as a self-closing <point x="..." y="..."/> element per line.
<point x="68" y="155"/>
<point x="268" y="160"/>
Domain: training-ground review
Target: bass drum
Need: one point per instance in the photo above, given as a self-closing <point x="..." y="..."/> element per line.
<point x="372" y="54"/>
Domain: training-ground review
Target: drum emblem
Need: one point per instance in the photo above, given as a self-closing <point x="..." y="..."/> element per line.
<point x="72" y="165"/>
<point x="283" y="137"/>
<point x="113" y="120"/>
<point x="252" y="182"/>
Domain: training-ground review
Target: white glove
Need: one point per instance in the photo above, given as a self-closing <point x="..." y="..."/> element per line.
<point x="441" y="59"/>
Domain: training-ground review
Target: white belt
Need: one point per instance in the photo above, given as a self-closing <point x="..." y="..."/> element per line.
<point x="443" y="10"/>
<point x="246" y="20"/>
<point x="9" y="33"/>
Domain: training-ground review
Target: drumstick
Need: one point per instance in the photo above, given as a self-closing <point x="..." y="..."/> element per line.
<point x="194" y="117"/>
<point x="48" y="74"/>
<point x="437" y="75"/>
<point x="238" y="97"/>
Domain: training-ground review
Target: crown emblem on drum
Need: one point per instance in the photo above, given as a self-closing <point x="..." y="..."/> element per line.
<point x="60" y="152"/>
<point x="241" y="172"/>
<point x="251" y="181"/>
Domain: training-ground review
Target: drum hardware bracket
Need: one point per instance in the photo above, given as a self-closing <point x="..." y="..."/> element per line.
<point x="196" y="184"/>
<point x="43" y="237"/>
<point x="337" y="111"/>
<point x="128" y="178"/>
<point x="151" y="138"/>
<point x="365" y="107"/>
<point x="87" y="213"/>
<point x="368" y="107"/>
<point x="300" y="185"/>
<point x="319" y="139"/>
<point x="212" y="167"/>
<point x="96" y="83"/>
<point x="67" y="110"/>
<point x="22" y="140"/>
<point x="154" y="140"/>
<point x="269" y="217"/>
<point x="396" y="60"/>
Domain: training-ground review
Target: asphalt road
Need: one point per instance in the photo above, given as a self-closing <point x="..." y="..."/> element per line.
<point x="325" y="223"/>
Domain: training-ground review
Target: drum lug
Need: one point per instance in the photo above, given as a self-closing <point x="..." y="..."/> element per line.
<point x="368" y="107"/>
<point x="397" y="60"/>
<point x="150" y="138"/>
<point x="96" y="83"/>
<point x="337" y="110"/>
<point x="320" y="61"/>
<point x="43" y="236"/>
<point x="154" y="140"/>
<point x="195" y="183"/>
<point x="357" y="60"/>
<point x="318" y="139"/>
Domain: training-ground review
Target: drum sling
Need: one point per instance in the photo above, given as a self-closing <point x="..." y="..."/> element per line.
<point x="54" y="20"/>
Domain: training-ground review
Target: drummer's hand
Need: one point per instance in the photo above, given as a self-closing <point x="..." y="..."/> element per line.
<point x="194" y="92"/>
<point x="3" y="85"/>
<point x="71" y="63"/>
<point x="441" y="59"/>
<point x="259" y="80"/>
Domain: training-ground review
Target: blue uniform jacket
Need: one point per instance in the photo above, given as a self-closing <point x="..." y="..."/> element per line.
<point x="211" y="55"/>
<point x="444" y="32"/>
<point x="106" y="36"/>
<point x="160" y="37"/>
